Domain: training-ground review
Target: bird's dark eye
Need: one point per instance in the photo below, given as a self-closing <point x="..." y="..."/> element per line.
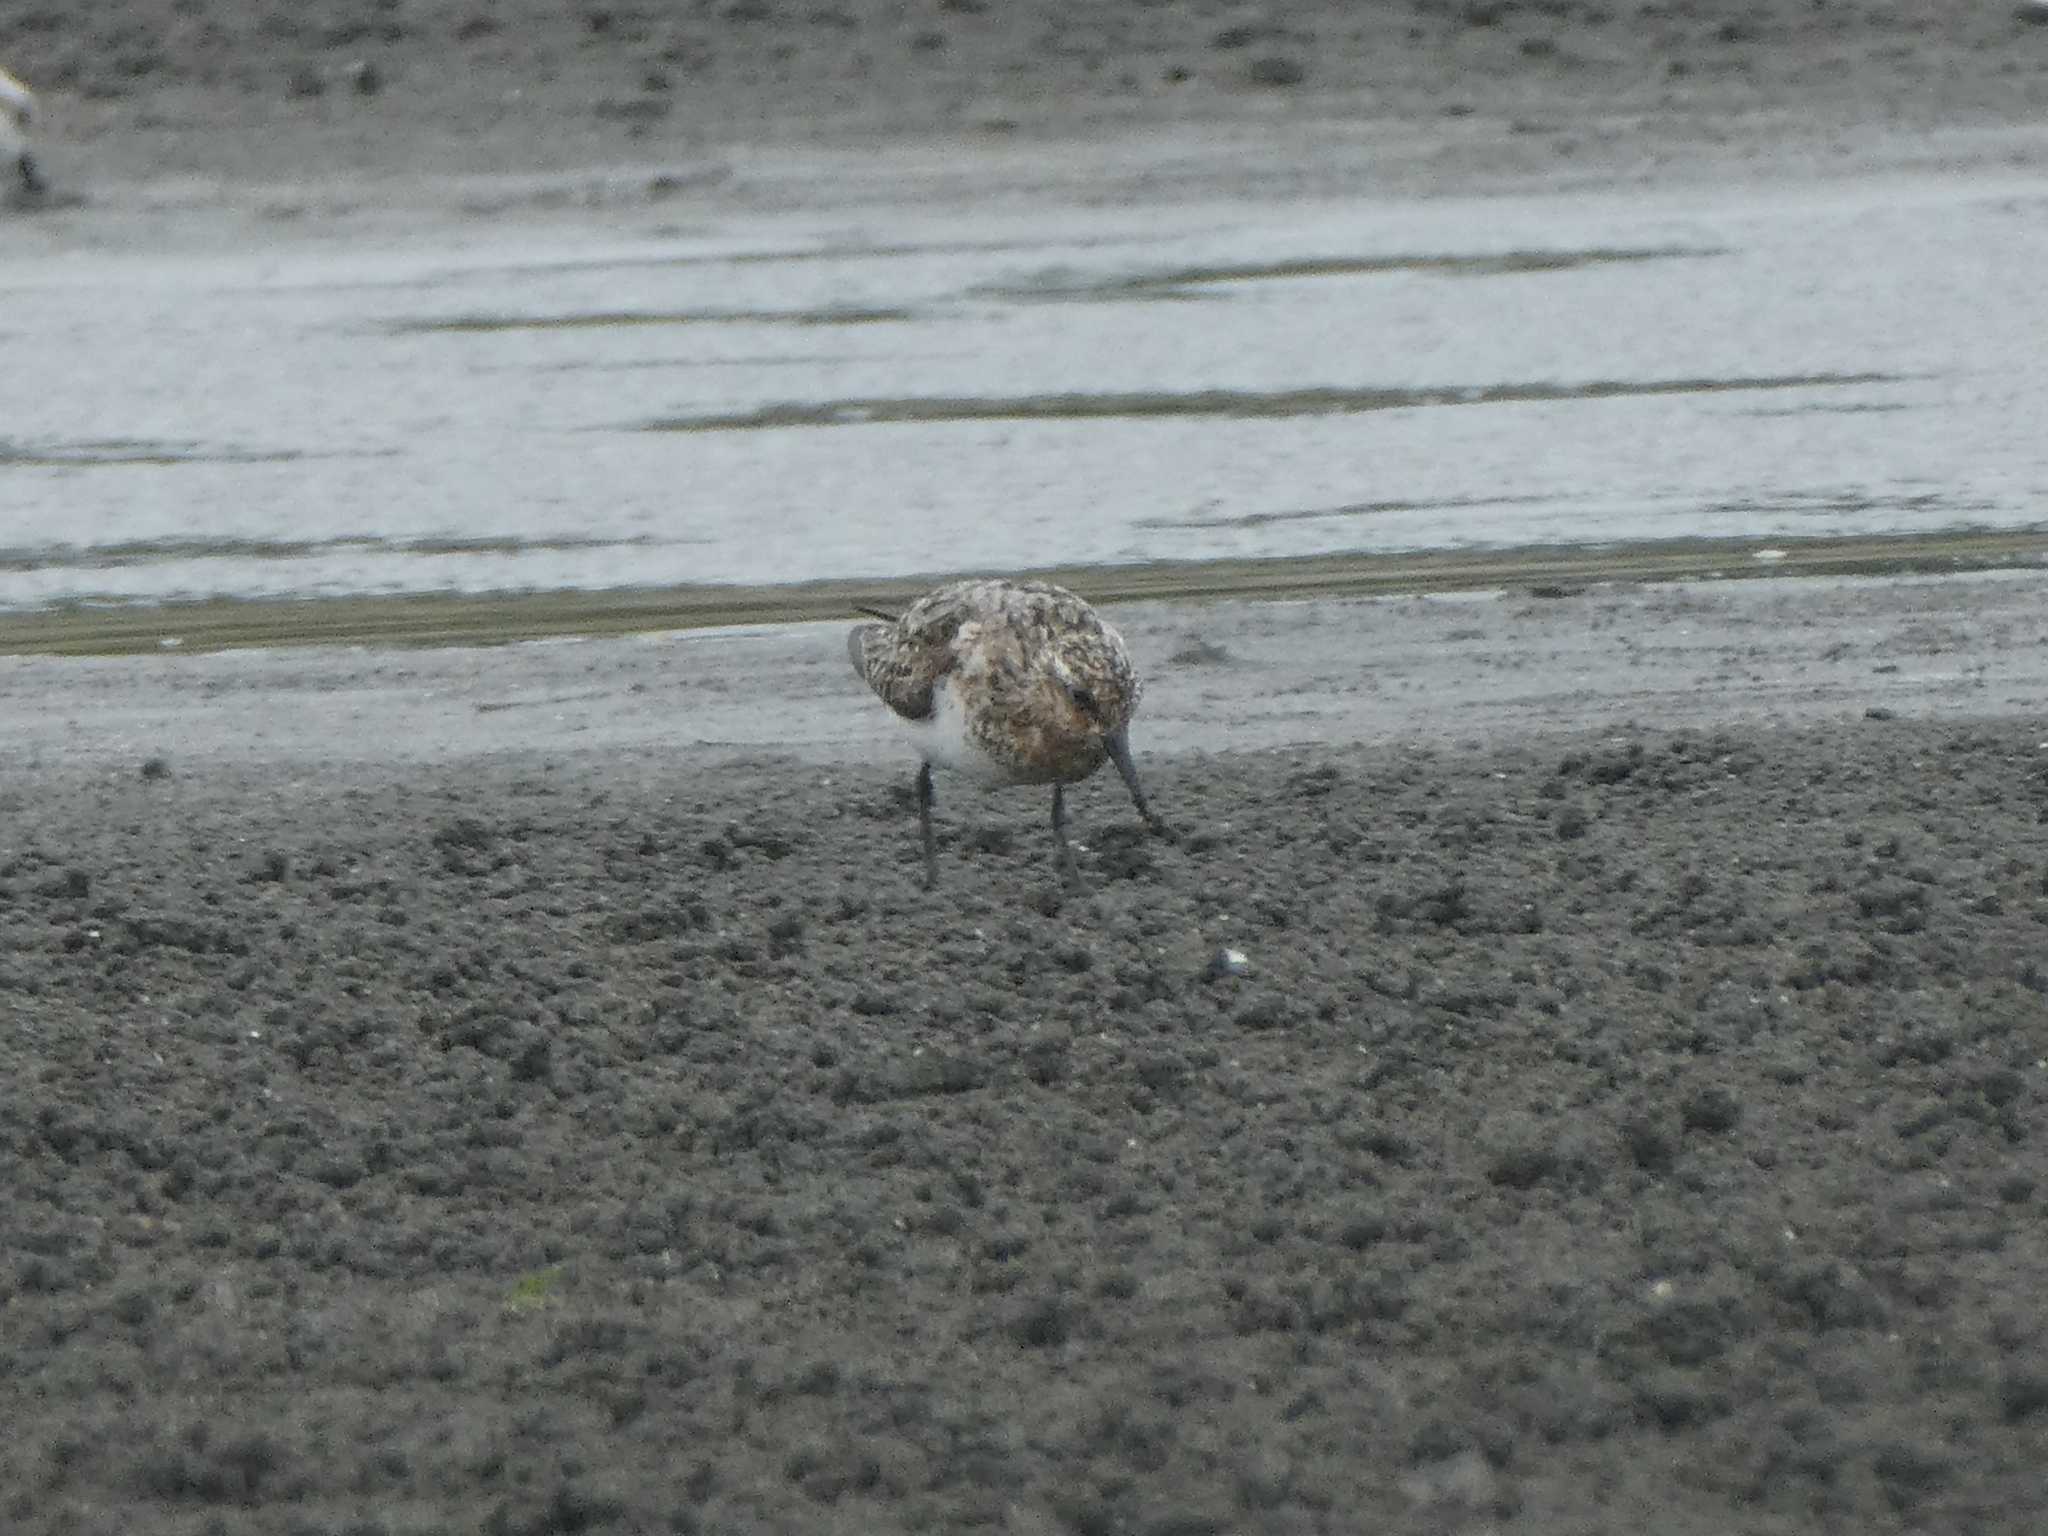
<point x="1083" y="698"/>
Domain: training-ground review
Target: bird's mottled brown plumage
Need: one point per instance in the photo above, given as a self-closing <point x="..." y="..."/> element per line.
<point x="1042" y="680"/>
<point x="1015" y="682"/>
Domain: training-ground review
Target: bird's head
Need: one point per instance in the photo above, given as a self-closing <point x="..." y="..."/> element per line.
<point x="1096" y="690"/>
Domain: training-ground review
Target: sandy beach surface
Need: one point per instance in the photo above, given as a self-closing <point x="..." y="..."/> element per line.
<point x="524" y="1089"/>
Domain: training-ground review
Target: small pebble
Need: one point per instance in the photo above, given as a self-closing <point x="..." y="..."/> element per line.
<point x="1227" y="962"/>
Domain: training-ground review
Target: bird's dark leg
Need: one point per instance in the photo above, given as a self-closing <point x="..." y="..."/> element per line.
<point x="1069" y="870"/>
<point x="1119" y="743"/>
<point x="31" y="178"/>
<point x="924" y="825"/>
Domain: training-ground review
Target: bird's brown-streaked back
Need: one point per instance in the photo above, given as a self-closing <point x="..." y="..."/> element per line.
<point x="1012" y="682"/>
<point x="1033" y="664"/>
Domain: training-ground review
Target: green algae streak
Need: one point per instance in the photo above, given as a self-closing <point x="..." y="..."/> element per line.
<point x="502" y="618"/>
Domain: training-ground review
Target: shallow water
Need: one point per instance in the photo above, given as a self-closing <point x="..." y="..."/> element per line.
<point x="495" y="406"/>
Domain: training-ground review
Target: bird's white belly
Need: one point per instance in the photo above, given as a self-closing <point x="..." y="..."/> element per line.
<point x="943" y="741"/>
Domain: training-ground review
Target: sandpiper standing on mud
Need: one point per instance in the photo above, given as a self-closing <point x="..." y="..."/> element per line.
<point x="17" y="113"/>
<point x="1010" y="683"/>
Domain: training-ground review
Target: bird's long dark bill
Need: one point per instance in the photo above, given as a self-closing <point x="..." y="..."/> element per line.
<point x="1119" y="744"/>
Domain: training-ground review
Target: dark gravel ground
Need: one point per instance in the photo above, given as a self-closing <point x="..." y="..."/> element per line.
<point x="1612" y="1135"/>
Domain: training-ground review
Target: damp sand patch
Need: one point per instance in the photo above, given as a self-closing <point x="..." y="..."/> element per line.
<point x="118" y="452"/>
<point x="1242" y="405"/>
<point x="129" y="553"/>
<point x="626" y="319"/>
<point x="1184" y="282"/>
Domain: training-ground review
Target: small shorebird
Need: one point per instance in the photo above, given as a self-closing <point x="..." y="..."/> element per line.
<point x="17" y="112"/>
<point x="1011" y="683"/>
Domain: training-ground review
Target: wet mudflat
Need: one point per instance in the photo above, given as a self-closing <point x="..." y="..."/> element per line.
<point x="1620" y="1131"/>
<point x="719" y="393"/>
<point x="523" y="1090"/>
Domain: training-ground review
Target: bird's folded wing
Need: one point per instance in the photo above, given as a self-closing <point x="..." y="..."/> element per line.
<point x="902" y="668"/>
